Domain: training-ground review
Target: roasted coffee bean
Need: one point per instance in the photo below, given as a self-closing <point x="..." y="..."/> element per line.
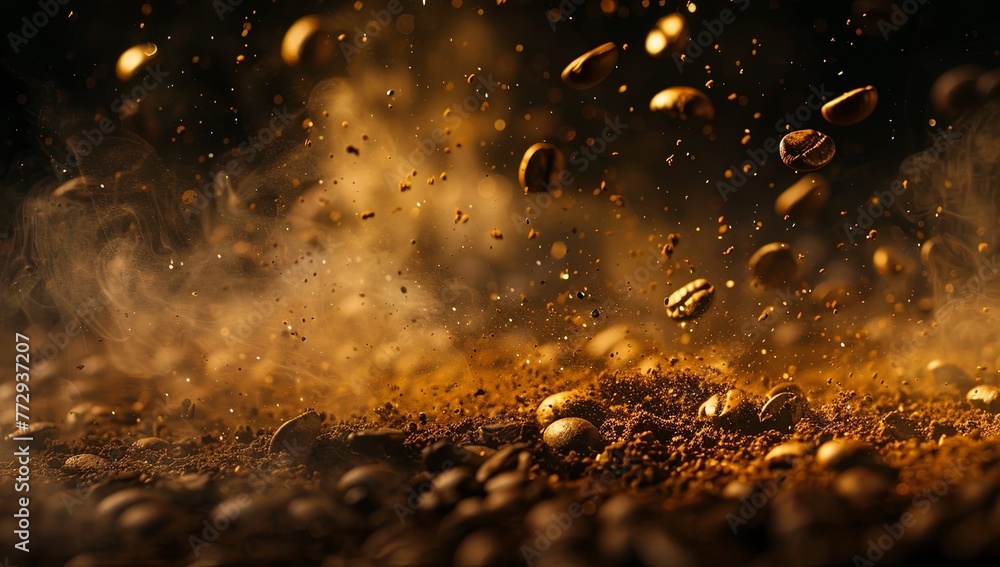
<point x="541" y="168"/>
<point x="146" y="521"/>
<point x="710" y="407"/>
<point x="377" y="442"/>
<point x="954" y="92"/>
<point x="785" y="454"/>
<point x="683" y="103"/>
<point x="482" y="548"/>
<point x="851" y="107"/>
<point x="114" y="504"/>
<point x="150" y="445"/>
<point x="985" y="397"/>
<point x="504" y="433"/>
<point x="443" y="455"/>
<point x="504" y="460"/>
<point x="592" y="67"/>
<point x="85" y="464"/>
<point x="296" y="436"/>
<point x="806" y="150"/>
<point x="865" y="486"/>
<point x="945" y="373"/>
<point x="691" y="300"/>
<point x="737" y="413"/>
<point x="782" y="387"/>
<point x="669" y="35"/>
<point x="573" y="434"/>
<point x="571" y="403"/>
<point x="774" y="264"/>
<point x="842" y="454"/>
<point x="782" y="412"/>
<point x="803" y="199"/>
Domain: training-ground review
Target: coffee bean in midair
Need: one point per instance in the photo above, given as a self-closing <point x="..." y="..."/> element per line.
<point x="851" y="107"/>
<point x="541" y="167"/>
<point x="985" y="397"/>
<point x="690" y="301"/>
<point x="803" y="199"/>
<point x="683" y="103"/>
<point x="592" y="67"/>
<point x="573" y="434"/>
<point x="806" y="150"/>
<point x="774" y="264"/>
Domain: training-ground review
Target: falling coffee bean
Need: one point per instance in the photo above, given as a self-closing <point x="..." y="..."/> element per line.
<point x="851" y="107"/>
<point x="806" y="150"/>
<point x="573" y="434"/>
<point x="669" y="35"/>
<point x="774" y="264"/>
<point x="592" y="67"/>
<point x="985" y="397"/>
<point x="805" y="198"/>
<point x="683" y="103"/>
<point x="691" y="300"/>
<point x="541" y="167"/>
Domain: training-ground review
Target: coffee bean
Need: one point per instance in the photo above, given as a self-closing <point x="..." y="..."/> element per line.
<point x="774" y="264"/>
<point x="378" y="442"/>
<point x="782" y="412"/>
<point x="954" y="92"/>
<point x="573" y="434"/>
<point x="985" y="397"/>
<point x="146" y="520"/>
<point x="504" y="433"/>
<point x="296" y="436"/>
<point x="541" y="168"/>
<point x="842" y="454"/>
<point x="85" y="464"/>
<point x="483" y="548"/>
<point x="782" y="387"/>
<point x="690" y="301"/>
<point x="806" y="150"/>
<point x="669" y="35"/>
<point x="592" y="67"/>
<point x="710" y="407"/>
<point x="804" y="198"/>
<point x="864" y="486"/>
<point x="114" y="504"/>
<point x="443" y="455"/>
<point x="785" y="454"/>
<point x="683" y="103"/>
<point x="571" y="403"/>
<point x="851" y="107"/>
<point x="151" y="444"/>
<point x="365" y="487"/>
<point x="504" y="460"/>
<point x="945" y="374"/>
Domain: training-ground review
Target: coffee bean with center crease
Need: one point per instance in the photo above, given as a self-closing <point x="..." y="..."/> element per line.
<point x="541" y="167"/>
<point x="592" y="67"/>
<point x="571" y="403"/>
<point x="297" y="435"/>
<point x="782" y="412"/>
<point x="691" y="300"/>
<point x="851" y="107"/>
<point x="806" y="150"/>
<point x="573" y="434"/>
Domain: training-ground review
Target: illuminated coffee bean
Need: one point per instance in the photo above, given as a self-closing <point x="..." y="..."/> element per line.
<point x="889" y="261"/>
<point x="774" y="264"/>
<point x="785" y="454"/>
<point x="805" y="198"/>
<point x="691" y="300"/>
<point x="782" y="387"/>
<point x="945" y="373"/>
<point x="985" y="397"/>
<point x="782" y="412"/>
<point x="669" y="35"/>
<point x="592" y="67"/>
<point x="851" y="107"/>
<point x="571" y="403"/>
<point x="296" y="436"/>
<point x="842" y="454"/>
<point x="573" y="434"/>
<point x="541" y="167"/>
<point x="737" y="413"/>
<point x="806" y="150"/>
<point x="85" y="464"/>
<point x="683" y="103"/>
<point x="710" y="406"/>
